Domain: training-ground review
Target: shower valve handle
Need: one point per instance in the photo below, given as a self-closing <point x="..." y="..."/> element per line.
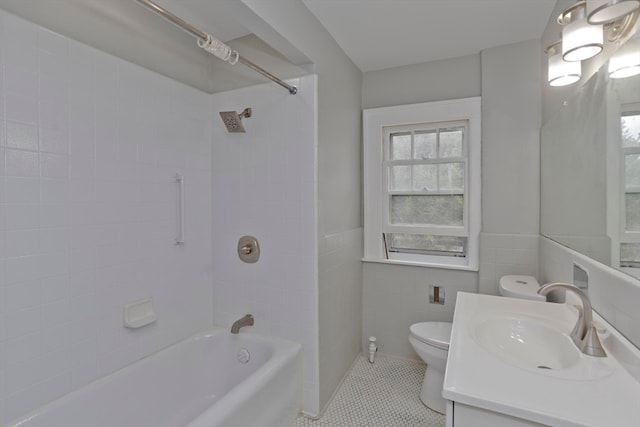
<point x="246" y="249"/>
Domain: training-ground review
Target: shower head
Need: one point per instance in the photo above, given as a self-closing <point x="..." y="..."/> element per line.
<point x="233" y="120"/>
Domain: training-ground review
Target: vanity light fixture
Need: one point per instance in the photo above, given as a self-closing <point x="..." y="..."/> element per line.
<point x="626" y="61"/>
<point x="580" y="40"/>
<point x="561" y="72"/>
<point x="587" y="26"/>
<point x="604" y="11"/>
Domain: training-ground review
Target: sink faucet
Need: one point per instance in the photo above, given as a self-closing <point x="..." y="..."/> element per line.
<point x="247" y="320"/>
<point x="584" y="334"/>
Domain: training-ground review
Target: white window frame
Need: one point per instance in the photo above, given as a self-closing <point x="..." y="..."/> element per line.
<point x="376" y="122"/>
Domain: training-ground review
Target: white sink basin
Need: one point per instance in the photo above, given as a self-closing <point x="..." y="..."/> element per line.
<point x="525" y="342"/>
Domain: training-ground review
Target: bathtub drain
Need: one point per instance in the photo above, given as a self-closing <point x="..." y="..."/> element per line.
<point x="243" y="355"/>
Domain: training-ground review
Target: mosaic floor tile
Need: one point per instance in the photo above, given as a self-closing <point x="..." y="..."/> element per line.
<point x="383" y="394"/>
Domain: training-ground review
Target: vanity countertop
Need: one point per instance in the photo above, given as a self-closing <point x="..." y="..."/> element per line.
<point x="600" y="393"/>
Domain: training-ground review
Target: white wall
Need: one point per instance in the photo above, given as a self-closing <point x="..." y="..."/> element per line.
<point x="264" y="185"/>
<point x="431" y="81"/>
<point x="395" y="296"/>
<point x="511" y="79"/>
<point x="89" y="146"/>
<point x="508" y="79"/>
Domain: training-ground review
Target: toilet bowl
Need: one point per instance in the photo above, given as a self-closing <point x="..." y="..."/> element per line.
<point x="431" y="340"/>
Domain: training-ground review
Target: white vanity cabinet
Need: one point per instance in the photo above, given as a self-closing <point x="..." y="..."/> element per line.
<point x="461" y="415"/>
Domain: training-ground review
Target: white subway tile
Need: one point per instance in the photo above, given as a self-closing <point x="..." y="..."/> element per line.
<point x="54" y="141"/>
<point x="54" y="215"/>
<point x="21" y="82"/>
<point x="54" y="166"/>
<point x="22" y="136"/>
<point x="22" y="163"/>
<point x="21" y="108"/>
<point x="22" y="295"/>
<point x="20" y="217"/>
<point x="22" y="322"/>
<point x="54" y="191"/>
<point x="55" y="288"/>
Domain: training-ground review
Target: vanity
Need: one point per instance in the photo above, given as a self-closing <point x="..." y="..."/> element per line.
<point x="511" y="363"/>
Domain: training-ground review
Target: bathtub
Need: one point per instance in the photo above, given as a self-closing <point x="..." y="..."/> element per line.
<point x="213" y="379"/>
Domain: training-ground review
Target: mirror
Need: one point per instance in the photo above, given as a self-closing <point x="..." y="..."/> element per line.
<point x="590" y="172"/>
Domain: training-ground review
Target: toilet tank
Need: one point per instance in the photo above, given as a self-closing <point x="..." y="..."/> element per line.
<point x="522" y="287"/>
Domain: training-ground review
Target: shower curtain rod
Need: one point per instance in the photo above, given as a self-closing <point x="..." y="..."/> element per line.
<point x="213" y="45"/>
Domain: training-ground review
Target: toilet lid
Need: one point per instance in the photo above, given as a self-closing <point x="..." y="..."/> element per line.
<point x="437" y="334"/>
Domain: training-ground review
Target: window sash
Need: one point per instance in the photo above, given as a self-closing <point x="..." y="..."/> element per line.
<point x="388" y="163"/>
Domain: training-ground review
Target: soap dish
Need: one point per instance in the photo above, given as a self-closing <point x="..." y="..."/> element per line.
<point x="139" y="313"/>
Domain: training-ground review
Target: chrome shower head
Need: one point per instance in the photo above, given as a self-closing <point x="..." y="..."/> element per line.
<point x="233" y="120"/>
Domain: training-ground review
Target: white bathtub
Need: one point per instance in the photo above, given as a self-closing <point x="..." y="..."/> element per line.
<point x="199" y="382"/>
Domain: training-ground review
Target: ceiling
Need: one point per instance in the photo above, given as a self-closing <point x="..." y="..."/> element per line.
<point x="380" y="34"/>
<point x="375" y="34"/>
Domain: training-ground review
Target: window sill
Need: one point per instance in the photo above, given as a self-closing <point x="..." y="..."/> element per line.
<point x="421" y="264"/>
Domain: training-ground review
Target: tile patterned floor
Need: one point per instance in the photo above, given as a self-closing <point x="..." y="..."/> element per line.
<point x="383" y="394"/>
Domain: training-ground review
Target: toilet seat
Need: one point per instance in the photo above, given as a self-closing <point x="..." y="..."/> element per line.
<point x="436" y="334"/>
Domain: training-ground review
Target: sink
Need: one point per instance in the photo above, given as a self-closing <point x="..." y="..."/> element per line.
<point x="524" y="341"/>
<point x="514" y="357"/>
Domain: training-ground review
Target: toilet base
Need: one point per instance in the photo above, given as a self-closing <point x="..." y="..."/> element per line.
<point x="431" y="393"/>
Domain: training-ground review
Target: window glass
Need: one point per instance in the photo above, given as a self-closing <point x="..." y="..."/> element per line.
<point x="427" y="210"/>
<point x="400" y="178"/>
<point x="443" y="245"/>
<point x="400" y="146"/>
<point x="630" y="255"/>
<point x="425" y="145"/>
<point x="451" y="142"/>
<point x="451" y="176"/>
<point x="632" y="171"/>
<point x="630" y="122"/>
<point x="632" y="211"/>
<point x="425" y="178"/>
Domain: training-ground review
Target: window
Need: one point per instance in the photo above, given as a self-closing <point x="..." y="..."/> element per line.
<point x="630" y="137"/>
<point x="422" y="183"/>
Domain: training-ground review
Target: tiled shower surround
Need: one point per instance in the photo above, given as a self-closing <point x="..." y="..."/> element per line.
<point x="264" y="185"/>
<point x="89" y="147"/>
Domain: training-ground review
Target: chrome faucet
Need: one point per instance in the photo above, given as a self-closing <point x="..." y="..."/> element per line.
<point x="247" y="320"/>
<point x="584" y="334"/>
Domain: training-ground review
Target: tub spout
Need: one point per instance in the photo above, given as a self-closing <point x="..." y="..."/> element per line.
<point x="247" y="320"/>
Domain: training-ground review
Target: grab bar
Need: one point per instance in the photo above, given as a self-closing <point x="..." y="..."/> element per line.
<point x="180" y="182"/>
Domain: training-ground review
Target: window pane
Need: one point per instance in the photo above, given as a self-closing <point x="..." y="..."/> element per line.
<point x="632" y="210"/>
<point x="415" y="243"/>
<point x="630" y="122"/>
<point x="427" y="210"/>
<point x="425" y="145"/>
<point x="425" y="178"/>
<point x="400" y="146"/>
<point x="451" y="142"/>
<point x="632" y="171"/>
<point x="400" y="178"/>
<point x="451" y="176"/>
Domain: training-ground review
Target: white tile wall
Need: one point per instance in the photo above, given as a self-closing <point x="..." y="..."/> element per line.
<point x="89" y="146"/>
<point x="264" y="185"/>
<point x="503" y="254"/>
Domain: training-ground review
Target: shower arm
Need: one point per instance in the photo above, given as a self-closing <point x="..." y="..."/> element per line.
<point x="213" y="45"/>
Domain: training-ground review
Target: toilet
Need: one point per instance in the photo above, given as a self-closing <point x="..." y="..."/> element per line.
<point x="431" y="340"/>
